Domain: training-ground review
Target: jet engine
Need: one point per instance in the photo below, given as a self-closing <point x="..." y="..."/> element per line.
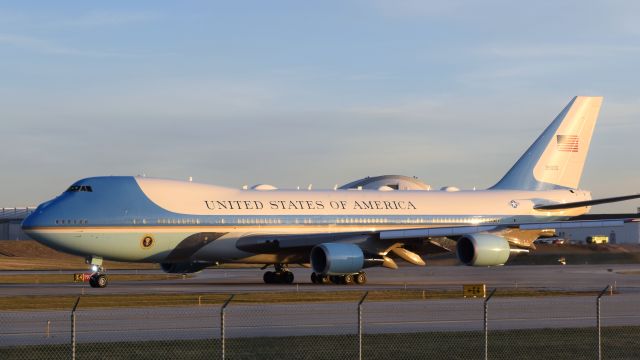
<point x="184" y="267"/>
<point x="338" y="259"/>
<point x="483" y="250"/>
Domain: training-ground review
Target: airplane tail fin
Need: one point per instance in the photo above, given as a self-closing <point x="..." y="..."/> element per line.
<point x="556" y="159"/>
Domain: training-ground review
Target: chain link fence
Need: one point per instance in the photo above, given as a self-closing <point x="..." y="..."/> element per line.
<point x="599" y="326"/>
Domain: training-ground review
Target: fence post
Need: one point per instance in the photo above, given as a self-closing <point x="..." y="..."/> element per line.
<point x="598" y="321"/>
<point x="73" y="329"/>
<point x="360" y="325"/>
<point x="486" y="325"/>
<point x="222" y="336"/>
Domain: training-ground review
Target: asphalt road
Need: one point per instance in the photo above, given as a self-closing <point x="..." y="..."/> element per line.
<point x="275" y="320"/>
<point x="133" y="324"/>
<point x="553" y="277"/>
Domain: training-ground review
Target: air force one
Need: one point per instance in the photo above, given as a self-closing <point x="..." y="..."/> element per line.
<point x="187" y="226"/>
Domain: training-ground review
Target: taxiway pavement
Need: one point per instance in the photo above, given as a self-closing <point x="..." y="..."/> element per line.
<point x="550" y="277"/>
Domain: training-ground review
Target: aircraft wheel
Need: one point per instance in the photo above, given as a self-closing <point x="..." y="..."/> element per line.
<point x="287" y="276"/>
<point x="268" y="277"/>
<point x="325" y="279"/>
<point x="360" y="278"/>
<point x="347" y="279"/>
<point x="314" y="278"/>
<point x="101" y="281"/>
<point x="92" y="282"/>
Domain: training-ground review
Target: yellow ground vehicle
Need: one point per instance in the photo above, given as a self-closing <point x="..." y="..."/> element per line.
<point x="598" y="239"/>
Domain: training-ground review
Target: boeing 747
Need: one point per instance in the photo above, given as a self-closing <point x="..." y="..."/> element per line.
<point x="187" y="226"/>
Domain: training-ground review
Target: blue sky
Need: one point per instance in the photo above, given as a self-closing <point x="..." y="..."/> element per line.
<point x="299" y="92"/>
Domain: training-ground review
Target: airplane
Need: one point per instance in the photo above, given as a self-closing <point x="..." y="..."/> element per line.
<point x="187" y="226"/>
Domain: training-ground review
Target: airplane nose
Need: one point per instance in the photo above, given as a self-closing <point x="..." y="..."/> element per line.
<point x="30" y="221"/>
<point x="36" y="218"/>
<point x="36" y="224"/>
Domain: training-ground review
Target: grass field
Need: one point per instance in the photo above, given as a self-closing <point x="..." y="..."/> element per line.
<point x="146" y="300"/>
<point x="568" y="343"/>
<point x="31" y="255"/>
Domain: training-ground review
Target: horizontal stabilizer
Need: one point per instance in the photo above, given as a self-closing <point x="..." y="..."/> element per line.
<point x="578" y="204"/>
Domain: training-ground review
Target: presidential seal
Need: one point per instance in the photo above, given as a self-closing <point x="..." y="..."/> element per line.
<point x="146" y="242"/>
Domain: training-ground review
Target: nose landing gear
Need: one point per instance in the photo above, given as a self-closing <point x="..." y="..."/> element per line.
<point x="98" y="277"/>
<point x="282" y="275"/>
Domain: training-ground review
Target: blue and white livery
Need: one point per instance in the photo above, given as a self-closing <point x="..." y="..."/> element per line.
<point x="188" y="226"/>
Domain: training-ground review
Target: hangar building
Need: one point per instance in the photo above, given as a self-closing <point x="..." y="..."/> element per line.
<point x="10" y="220"/>
<point x="627" y="234"/>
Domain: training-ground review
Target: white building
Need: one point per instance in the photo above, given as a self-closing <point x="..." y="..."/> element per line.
<point x="627" y="234"/>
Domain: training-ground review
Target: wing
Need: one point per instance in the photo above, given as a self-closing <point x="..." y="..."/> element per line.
<point x="411" y="244"/>
<point x="518" y="235"/>
<point x="455" y="231"/>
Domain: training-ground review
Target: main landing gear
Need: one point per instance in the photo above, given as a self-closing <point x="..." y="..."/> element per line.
<point x="282" y="275"/>
<point x="98" y="278"/>
<point x="346" y="279"/>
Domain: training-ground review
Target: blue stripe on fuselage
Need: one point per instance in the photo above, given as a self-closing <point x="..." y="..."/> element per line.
<point x="115" y="200"/>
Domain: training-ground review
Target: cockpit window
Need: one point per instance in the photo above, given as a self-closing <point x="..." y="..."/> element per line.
<point x="76" y="188"/>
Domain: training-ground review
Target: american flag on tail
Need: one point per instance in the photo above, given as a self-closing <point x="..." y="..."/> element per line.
<point x="567" y="143"/>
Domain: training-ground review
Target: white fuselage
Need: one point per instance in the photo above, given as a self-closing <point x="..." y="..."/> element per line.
<point x="175" y="210"/>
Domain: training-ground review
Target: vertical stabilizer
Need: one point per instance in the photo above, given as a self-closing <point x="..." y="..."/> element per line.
<point x="556" y="159"/>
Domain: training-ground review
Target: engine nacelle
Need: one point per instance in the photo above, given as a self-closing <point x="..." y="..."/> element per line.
<point x="337" y="258"/>
<point x="184" y="267"/>
<point x="483" y="250"/>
